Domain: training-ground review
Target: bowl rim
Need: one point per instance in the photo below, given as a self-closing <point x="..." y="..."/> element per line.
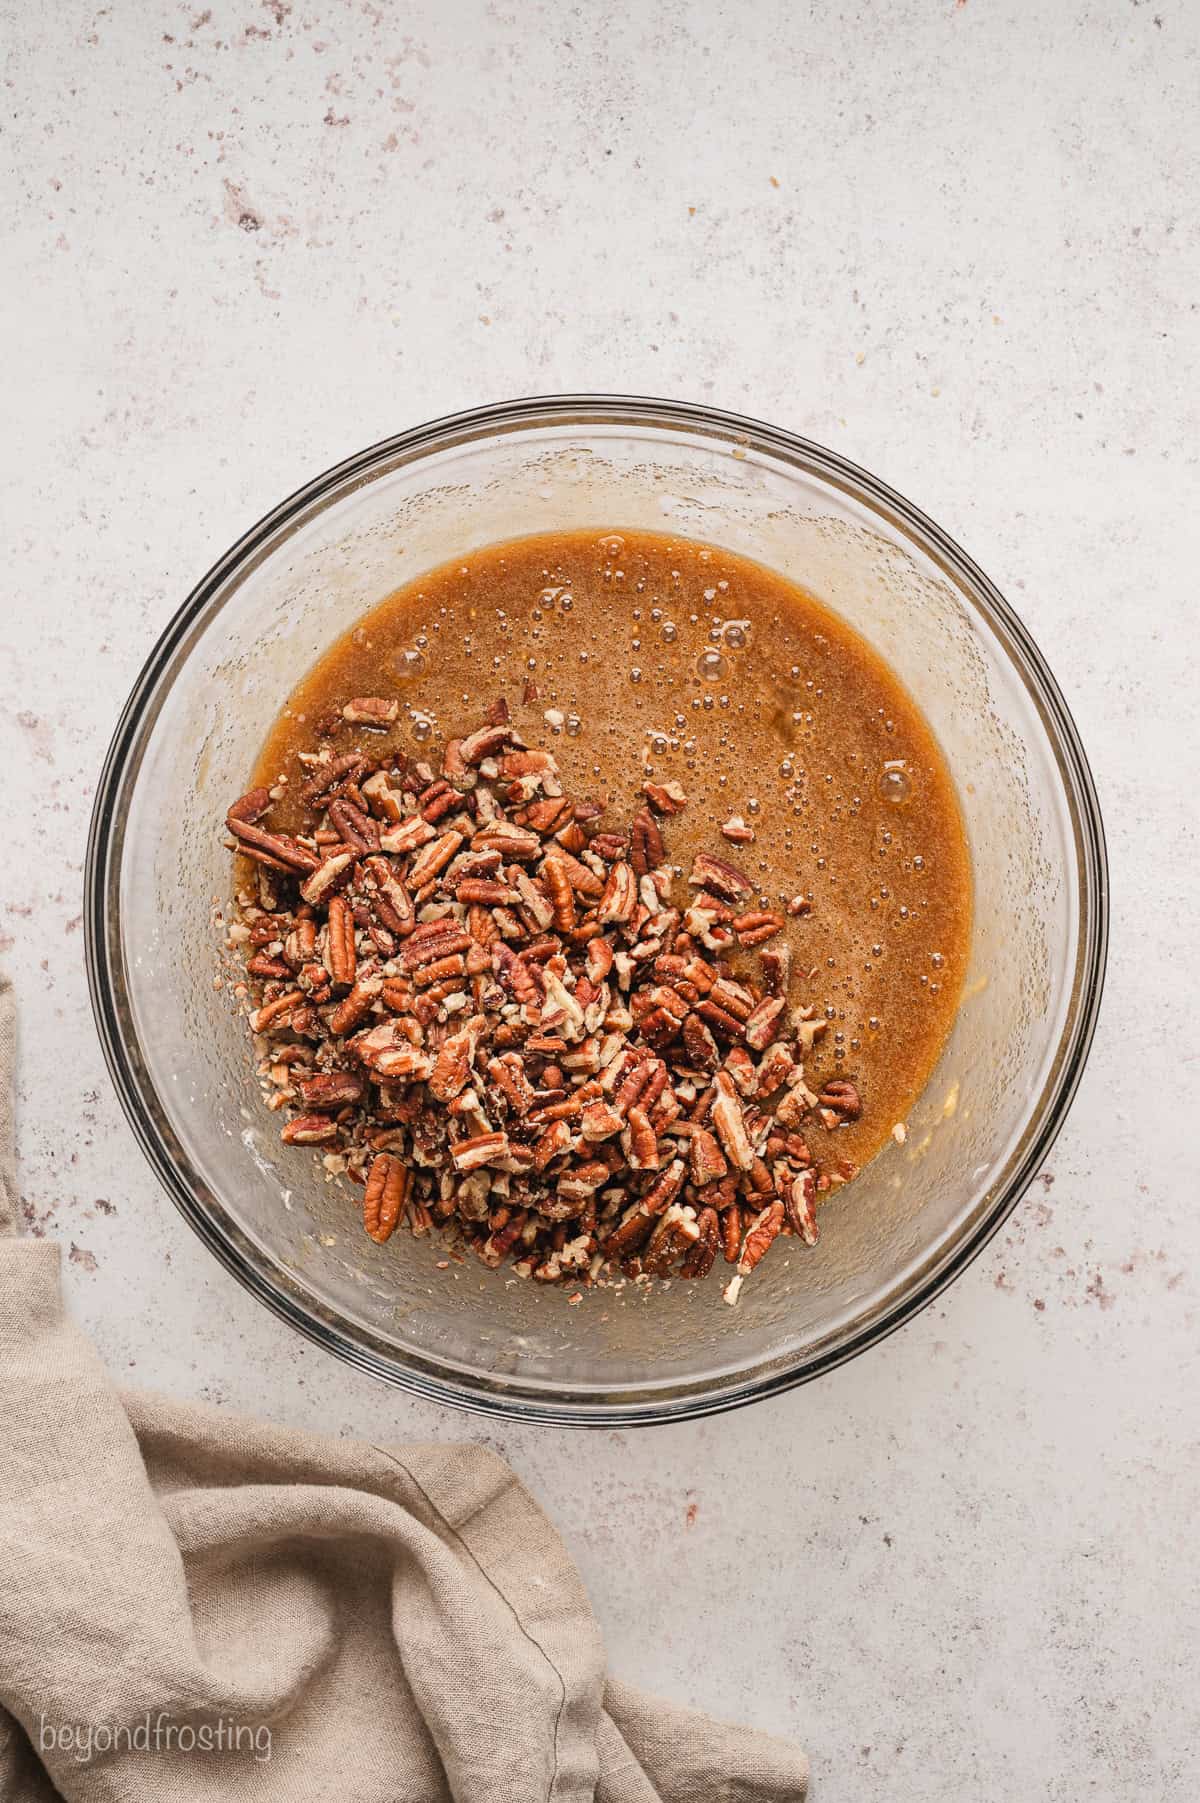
<point x="107" y="988"/>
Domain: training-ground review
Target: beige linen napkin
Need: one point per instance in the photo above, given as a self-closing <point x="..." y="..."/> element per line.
<point x="198" y="1607"/>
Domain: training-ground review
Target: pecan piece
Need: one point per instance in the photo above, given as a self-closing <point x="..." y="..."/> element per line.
<point x="757" y="926"/>
<point x="355" y="828"/>
<point x="736" y="830"/>
<point x="665" y="1188"/>
<point x="263" y="965"/>
<point x="741" y="1068"/>
<point x="432" y="941"/>
<point x="798" y="1192"/>
<point x="276" y="1012"/>
<point x="341" y="956"/>
<point x="310" y="1130"/>
<point x="763" y="1023"/>
<point x="392" y="902"/>
<point x="761" y="1234"/>
<point x="354" y="1008"/>
<point x="432" y="859"/>
<point x="371" y="710"/>
<point x="729" y="1122"/>
<point x="777" y="969"/>
<point x="840" y="1098"/>
<point x="453" y="1067"/>
<point x="331" y="1089"/>
<point x="249" y="807"/>
<point x="703" y="1255"/>
<point x="600" y="1120"/>
<point x="646" y="849"/>
<point x="665" y="798"/>
<point x="326" y="877"/>
<point x="280" y="848"/>
<point x="724" y="880"/>
<point x="619" y="897"/>
<point x="562" y="896"/>
<point x="707" y="1161"/>
<point x="407" y="836"/>
<point x="551" y="1144"/>
<point x="382" y="799"/>
<point x="385" y="1196"/>
<point x="480" y="1149"/>
<point x="702" y="1049"/>
<point x="642" y="1141"/>
<point x="508" y="1074"/>
<point x="485" y="743"/>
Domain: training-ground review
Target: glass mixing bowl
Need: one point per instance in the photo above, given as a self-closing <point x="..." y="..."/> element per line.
<point x="178" y="1051"/>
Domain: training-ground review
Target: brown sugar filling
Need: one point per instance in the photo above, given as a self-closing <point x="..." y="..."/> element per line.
<point x="637" y="659"/>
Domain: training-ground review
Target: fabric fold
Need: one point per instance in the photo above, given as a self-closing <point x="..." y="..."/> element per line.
<point x="194" y="1606"/>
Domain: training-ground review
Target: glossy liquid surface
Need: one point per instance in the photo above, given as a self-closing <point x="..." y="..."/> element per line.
<point x="665" y="658"/>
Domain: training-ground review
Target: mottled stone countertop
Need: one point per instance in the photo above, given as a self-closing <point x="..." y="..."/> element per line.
<point x="959" y="244"/>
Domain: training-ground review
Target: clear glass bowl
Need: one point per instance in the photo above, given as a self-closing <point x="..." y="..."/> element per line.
<point x="178" y="1052"/>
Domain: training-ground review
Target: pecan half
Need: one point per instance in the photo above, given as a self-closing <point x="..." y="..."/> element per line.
<point x="841" y="1098"/>
<point x="384" y="1197"/>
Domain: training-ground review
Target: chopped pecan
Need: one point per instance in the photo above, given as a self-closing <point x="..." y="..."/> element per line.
<point x="703" y="1255"/>
<point x="340" y="954"/>
<point x="736" y="830"/>
<point x="605" y="1012"/>
<point x="777" y="969"/>
<point x="619" y="897"/>
<point x="798" y="1192"/>
<point x="275" y="1013"/>
<point x="511" y="841"/>
<point x="432" y="859"/>
<point x="354" y="1008"/>
<point x="371" y="710"/>
<point x="762" y="1024"/>
<point x="382" y="799"/>
<point x="310" y="1130"/>
<point x="702" y="1049"/>
<point x="262" y="964"/>
<point x="331" y="1089"/>
<point x="452" y="1070"/>
<point x="485" y="743"/>
<point x="725" y="880"/>
<point x="762" y="1231"/>
<point x="642" y="1141"/>
<point x="665" y="798"/>
<point x="249" y="807"/>
<point x="729" y="1122"/>
<point x="707" y="1161"/>
<point x="326" y="877"/>
<point x="481" y="1149"/>
<point x="666" y="1187"/>
<point x="406" y="836"/>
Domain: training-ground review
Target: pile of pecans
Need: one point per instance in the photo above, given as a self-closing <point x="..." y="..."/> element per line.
<point x="489" y="1010"/>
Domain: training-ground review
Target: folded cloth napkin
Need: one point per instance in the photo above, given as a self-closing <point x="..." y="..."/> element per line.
<point x="198" y="1607"/>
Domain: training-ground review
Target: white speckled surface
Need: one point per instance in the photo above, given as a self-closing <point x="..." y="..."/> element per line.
<point x="957" y="242"/>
